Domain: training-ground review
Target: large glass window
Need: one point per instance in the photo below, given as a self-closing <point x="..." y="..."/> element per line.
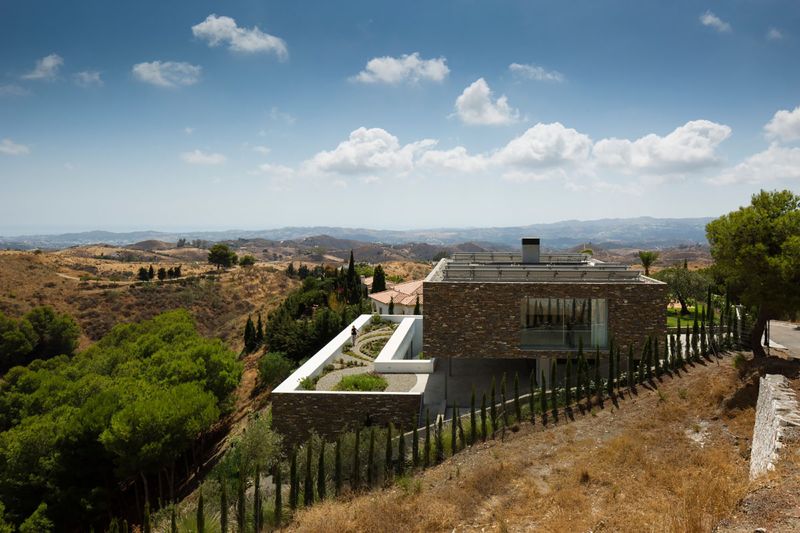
<point x="558" y="323"/>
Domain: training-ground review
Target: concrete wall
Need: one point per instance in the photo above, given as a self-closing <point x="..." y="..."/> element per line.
<point x="477" y="320"/>
<point x="777" y="421"/>
<point x="296" y="414"/>
<point x="398" y="356"/>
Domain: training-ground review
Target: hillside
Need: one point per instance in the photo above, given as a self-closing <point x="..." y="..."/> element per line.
<point x="671" y="459"/>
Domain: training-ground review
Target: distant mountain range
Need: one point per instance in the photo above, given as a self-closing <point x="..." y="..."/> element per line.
<point x="610" y="233"/>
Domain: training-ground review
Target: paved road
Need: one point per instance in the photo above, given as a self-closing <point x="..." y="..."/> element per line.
<point x="787" y="334"/>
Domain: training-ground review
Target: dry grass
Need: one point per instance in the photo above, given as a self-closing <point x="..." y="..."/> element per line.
<point x="631" y="468"/>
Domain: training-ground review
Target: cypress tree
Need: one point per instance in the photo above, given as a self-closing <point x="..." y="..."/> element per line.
<point x="308" y="486"/>
<point x="371" y="459"/>
<point x="688" y="348"/>
<point x="337" y="468"/>
<point x="568" y="382"/>
<point x="543" y="397"/>
<point x="531" y="395"/>
<point x="391" y="306"/>
<point x="415" y="447"/>
<point x="278" y="496"/>
<point x="473" y="422"/>
<point x="357" y="461"/>
<point x="503" y="398"/>
<point x="440" y="441"/>
<point x="173" y="519"/>
<point x="387" y="465"/>
<point x="629" y="368"/>
<point x="579" y="378"/>
<point x="493" y="410"/>
<point x="416" y="307"/>
<point x="151" y="273"/>
<point x="249" y="335"/>
<point x="610" y="381"/>
<point x="241" y="510"/>
<point x="735" y="328"/>
<point x="553" y="388"/>
<point x="483" y="417"/>
<point x="321" y="473"/>
<point x="617" y="373"/>
<point x="453" y="429"/>
<point x="293" y="483"/>
<point x="426" y="456"/>
<point x="257" y="516"/>
<point x="703" y="340"/>
<point x="146" y="521"/>
<point x="259" y="331"/>
<point x="517" y="405"/>
<point x="656" y="357"/>
<point x="401" y="453"/>
<point x="201" y="517"/>
<point x="596" y="368"/>
<point x="461" y="437"/>
<point x="223" y="505"/>
<point x="695" y="337"/>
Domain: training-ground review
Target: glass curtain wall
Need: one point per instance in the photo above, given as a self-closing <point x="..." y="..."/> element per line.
<point x="559" y="323"/>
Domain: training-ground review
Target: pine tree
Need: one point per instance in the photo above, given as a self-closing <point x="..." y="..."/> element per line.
<point x="483" y="417"/>
<point x="371" y="459"/>
<point x="401" y="452"/>
<point x="240" y="503"/>
<point x="308" y="486"/>
<point x="294" y="484"/>
<point x="517" y="405"/>
<point x="415" y="447"/>
<point x="493" y="410"/>
<point x="453" y="429"/>
<point x="426" y="455"/>
<point x="321" y="489"/>
<point x="278" y="496"/>
<point x="201" y="517"/>
<point x="387" y="464"/>
<point x="356" y="484"/>
<point x="257" y="517"/>
<point x="223" y="505"/>
<point x="337" y="468"/>
<point x="440" y="441"/>
<point x="473" y="422"/>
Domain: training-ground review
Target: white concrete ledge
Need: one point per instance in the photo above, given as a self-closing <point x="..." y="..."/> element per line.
<point x="392" y="359"/>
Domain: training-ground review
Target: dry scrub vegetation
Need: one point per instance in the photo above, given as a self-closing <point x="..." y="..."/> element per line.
<point x="671" y="459"/>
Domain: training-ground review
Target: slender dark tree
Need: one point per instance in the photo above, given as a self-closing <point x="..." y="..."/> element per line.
<point x="493" y="409"/>
<point x="356" y="483"/>
<point x="401" y="452"/>
<point x="378" y="279"/>
<point x="321" y="488"/>
<point x="415" y="447"/>
<point x="553" y="389"/>
<point x="337" y="468"/>
<point x="391" y="306"/>
<point x="151" y="273"/>
<point x="417" y="307"/>
<point x="371" y="459"/>
<point x="294" y="485"/>
<point x="453" y="430"/>
<point x="440" y="441"/>
<point x="257" y="517"/>
<point x="656" y="357"/>
<point x="146" y="520"/>
<point x="278" y="496"/>
<point x="259" y="331"/>
<point x="308" y="486"/>
<point x="610" y="381"/>
<point x="617" y="372"/>
<point x="596" y="368"/>
<point x="543" y="397"/>
<point x="201" y="517"/>
<point x="173" y="518"/>
<point x="517" y="404"/>
<point x="532" y="395"/>
<point x="241" y="509"/>
<point x="629" y="367"/>
<point x="483" y="417"/>
<point x="426" y="455"/>
<point x="568" y="382"/>
<point x="387" y="464"/>
<point x="223" y="504"/>
<point x="249" y="335"/>
<point x="473" y="421"/>
<point x="503" y="398"/>
<point x="703" y="340"/>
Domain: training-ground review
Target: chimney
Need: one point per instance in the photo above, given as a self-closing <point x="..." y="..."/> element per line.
<point x="530" y="250"/>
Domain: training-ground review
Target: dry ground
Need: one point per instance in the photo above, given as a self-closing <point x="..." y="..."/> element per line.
<point x="671" y="459"/>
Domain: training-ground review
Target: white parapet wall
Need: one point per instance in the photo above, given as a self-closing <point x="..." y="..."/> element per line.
<point x="398" y="356"/>
<point x="777" y="420"/>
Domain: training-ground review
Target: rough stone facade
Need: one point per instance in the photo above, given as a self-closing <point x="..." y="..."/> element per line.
<point x="479" y="320"/>
<point x="296" y="414"/>
<point x="777" y="421"/>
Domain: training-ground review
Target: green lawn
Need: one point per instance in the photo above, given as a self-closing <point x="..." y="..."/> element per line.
<point x="672" y="316"/>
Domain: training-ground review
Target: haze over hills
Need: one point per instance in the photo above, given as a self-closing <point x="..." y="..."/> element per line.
<point x="616" y="232"/>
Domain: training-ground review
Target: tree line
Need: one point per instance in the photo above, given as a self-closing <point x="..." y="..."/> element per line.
<point x="41" y="333"/>
<point x="148" y="274"/>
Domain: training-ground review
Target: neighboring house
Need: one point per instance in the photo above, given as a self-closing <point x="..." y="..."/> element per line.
<point x="367" y="282"/>
<point x="405" y="298"/>
<point x="537" y="307"/>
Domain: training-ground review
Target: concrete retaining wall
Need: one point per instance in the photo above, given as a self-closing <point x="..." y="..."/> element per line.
<point x="777" y="422"/>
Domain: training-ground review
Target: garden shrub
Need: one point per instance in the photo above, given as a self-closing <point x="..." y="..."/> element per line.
<point x="273" y="368"/>
<point x="369" y="382"/>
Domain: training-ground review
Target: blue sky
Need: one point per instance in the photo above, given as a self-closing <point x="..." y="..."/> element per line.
<point x="253" y="114"/>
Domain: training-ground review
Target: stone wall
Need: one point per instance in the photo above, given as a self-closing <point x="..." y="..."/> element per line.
<point x="477" y="320"/>
<point x="777" y="422"/>
<point x="296" y="414"/>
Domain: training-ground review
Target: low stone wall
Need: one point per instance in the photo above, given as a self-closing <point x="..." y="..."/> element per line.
<point x="296" y="414"/>
<point x="777" y="422"/>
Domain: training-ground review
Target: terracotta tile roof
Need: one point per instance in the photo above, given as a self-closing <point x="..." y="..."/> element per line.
<point x="403" y="294"/>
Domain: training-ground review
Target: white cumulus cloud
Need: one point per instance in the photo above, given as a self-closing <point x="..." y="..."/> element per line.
<point x="88" y="78"/>
<point x="776" y="163"/>
<point x="688" y="148"/>
<point x="167" y="73"/>
<point x="545" y="145"/>
<point x="368" y="151"/>
<point x="456" y="159"/>
<point x="712" y="21"/>
<point x="12" y="89"/>
<point x="408" y="68"/>
<point x="535" y="72"/>
<point x="224" y="30"/>
<point x="784" y="125"/>
<point x="46" y="68"/>
<point x="9" y="147"/>
<point x="774" y="34"/>
<point x="476" y="106"/>
<point x="198" y="157"/>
